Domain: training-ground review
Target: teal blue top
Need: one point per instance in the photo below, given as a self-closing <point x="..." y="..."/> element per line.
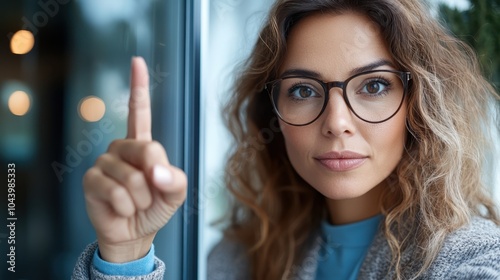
<point x="344" y="248"/>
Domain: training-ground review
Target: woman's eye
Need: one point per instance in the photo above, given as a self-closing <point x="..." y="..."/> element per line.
<point x="302" y="92"/>
<point x="375" y="87"/>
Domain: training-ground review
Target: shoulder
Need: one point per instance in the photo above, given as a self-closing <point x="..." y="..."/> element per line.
<point x="480" y="234"/>
<point x="472" y="252"/>
<point x="480" y="237"/>
<point x="228" y="260"/>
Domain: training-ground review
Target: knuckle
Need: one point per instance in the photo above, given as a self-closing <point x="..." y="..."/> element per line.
<point x="114" y="195"/>
<point x="152" y="149"/>
<point x="91" y="180"/>
<point x="134" y="180"/>
<point x="113" y="146"/>
<point x="90" y="176"/>
<point x="102" y="160"/>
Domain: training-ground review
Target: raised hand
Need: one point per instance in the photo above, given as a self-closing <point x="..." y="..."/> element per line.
<point x="132" y="190"/>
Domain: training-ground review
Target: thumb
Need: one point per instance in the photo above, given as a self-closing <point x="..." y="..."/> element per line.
<point x="170" y="181"/>
<point x="162" y="177"/>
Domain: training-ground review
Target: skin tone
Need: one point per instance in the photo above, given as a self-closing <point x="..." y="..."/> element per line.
<point x="333" y="47"/>
<point x="132" y="190"/>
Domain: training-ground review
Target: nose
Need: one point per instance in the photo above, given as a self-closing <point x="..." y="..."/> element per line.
<point x="337" y="119"/>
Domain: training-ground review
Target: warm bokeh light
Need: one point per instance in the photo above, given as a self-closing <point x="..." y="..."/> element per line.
<point x="19" y="103"/>
<point x="22" y="42"/>
<point x="92" y="109"/>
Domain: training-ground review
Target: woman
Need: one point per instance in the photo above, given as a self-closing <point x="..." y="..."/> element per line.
<point x="377" y="123"/>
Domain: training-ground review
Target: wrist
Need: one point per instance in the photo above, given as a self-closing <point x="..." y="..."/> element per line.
<point x="125" y="251"/>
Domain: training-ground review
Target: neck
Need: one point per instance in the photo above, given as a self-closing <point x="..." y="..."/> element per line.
<point x="353" y="210"/>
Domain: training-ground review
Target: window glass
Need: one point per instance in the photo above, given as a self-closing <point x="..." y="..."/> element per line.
<point x="69" y="68"/>
<point x="230" y="28"/>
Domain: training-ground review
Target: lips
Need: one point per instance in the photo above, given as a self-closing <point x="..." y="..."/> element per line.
<point x="341" y="161"/>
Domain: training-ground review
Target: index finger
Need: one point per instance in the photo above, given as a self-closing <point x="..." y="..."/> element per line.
<point x="139" y="114"/>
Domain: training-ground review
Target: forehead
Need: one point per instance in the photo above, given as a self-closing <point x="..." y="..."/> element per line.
<point x="334" y="44"/>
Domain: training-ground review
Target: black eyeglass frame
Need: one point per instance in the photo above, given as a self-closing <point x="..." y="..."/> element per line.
<point x="405" y="77"/>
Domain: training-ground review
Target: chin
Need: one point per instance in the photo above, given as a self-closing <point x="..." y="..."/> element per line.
<point x="341" y="193"/>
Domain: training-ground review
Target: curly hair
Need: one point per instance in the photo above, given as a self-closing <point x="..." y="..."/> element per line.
<point x="437" y="186"/>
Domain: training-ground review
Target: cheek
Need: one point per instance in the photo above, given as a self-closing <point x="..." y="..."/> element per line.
<point x="388" y="140"/>
<point x="289" y="134"/>
<point x="295" y="142"/>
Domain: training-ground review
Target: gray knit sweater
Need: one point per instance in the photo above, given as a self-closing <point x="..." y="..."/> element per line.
<point x="472" y="252"/>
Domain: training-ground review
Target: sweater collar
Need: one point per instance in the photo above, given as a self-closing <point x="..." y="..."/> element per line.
<point x="358" y="234"/>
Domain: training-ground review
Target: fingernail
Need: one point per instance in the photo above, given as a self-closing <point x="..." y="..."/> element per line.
<point x="161" y="175"/>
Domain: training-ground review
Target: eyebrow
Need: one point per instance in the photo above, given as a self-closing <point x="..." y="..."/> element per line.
<point x="314" y="74"/>
<point x="372" y="66"/>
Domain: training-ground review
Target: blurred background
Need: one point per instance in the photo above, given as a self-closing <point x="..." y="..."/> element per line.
<point x="64" y="73"/>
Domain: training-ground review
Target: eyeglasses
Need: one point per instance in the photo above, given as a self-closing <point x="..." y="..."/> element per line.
<point x="373" y="96"/>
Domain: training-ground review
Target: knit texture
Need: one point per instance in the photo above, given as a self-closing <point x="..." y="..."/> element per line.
<point x="472" y="252"/>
